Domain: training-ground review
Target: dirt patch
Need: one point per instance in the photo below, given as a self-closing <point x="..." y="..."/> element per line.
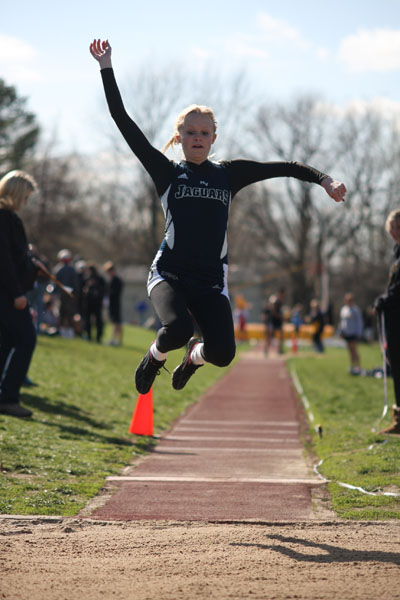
<point x="320" y="558"/>
<point x="70" y="559"/>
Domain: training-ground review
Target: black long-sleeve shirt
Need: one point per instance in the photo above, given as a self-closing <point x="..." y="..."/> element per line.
<point x="195" y="198"/>
<point x="17" y="273"/>
<point x="115" y="288"/>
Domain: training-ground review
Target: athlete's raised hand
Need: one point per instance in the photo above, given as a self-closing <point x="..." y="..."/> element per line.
<point x="101" y="51"/>
<point x="335" y="189"/>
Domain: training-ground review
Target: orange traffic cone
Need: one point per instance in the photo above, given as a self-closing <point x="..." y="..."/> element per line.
<point x="142" y="418"/>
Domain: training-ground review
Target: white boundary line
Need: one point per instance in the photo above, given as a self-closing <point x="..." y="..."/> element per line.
<point x="197" y="449"/>
<point x="215" y="479"/>
<point x="238" y="438"/>
<point x="252" y="423"/>
<point x="306" y="404"/>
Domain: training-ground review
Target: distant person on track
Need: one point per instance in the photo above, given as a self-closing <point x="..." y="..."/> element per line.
<point x="241" y="315"/>
<point x="188" y="277"/>
<point x="273" y="321"/>
<point x="388" y="306"/>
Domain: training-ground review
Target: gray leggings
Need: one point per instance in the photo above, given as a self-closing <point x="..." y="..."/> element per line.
<point x="181" y="309"/>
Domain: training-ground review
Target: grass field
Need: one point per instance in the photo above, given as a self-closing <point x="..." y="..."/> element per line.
<point x="349" y="409"/>
<point x="55" y="462"/>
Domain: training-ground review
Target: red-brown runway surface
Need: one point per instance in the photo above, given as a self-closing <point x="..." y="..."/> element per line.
<point x="234" y="456"/>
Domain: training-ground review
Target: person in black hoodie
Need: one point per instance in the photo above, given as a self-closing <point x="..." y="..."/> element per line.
<point x="114" y="291"/>
<point x="93" y="295"/>
<point x="388" y="305"/>
<point x="17" y="275"/>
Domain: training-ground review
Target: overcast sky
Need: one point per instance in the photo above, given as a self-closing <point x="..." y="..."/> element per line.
<point x="347" y="51"/>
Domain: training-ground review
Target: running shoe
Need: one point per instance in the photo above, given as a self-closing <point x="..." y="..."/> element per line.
<point x="185" y="370"/>
<point x="146" y="372"/>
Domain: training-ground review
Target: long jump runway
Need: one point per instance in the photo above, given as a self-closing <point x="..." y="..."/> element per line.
<point x="234" y="456"/>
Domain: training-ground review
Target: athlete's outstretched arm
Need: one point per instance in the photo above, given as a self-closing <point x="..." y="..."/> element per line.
<point x="245" y="172"/>
<point x="137" y="141"/>
<point x="155" y="163"/>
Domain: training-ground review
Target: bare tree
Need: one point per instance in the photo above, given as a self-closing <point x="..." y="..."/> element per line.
<point x="300" y="228"/>
<point x="56" y="215"/>
<point x="19" y="130"/>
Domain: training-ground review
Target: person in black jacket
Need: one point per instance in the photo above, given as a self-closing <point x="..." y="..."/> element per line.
<point x="316" y="318"/>
<point x="114" y="292"/>
<point x="93" y="296"/>
<point x="17" y="275"/>
<point x="187" y="283"/>
<point x="388" y="305"/>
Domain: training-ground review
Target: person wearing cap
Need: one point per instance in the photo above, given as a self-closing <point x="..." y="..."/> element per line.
<point x="67" y="275"/>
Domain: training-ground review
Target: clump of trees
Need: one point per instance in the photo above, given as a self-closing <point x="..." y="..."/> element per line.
<point x="19" y="130"/>
<point x="108" y="208"/>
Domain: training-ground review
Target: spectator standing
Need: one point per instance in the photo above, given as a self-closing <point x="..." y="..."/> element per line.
<point x="241" y="314"/>
<point x="93" y="297"/>
<point x="296" y="318"/>
<point x="36" y="294"/>
<point x="66" y="274"/>
<point x="17" y="275"/>
<point x="351" y="330"/>
<point x="316" y="318"/>
<point x="79" y="321"/>
<point x="278" y="317"/>
<point x="114" y="293"/>
<point x="388" y="305"/>
<point x="272" y="317"/>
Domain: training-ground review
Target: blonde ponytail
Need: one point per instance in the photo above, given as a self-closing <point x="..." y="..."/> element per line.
<point x="171" y="142"/>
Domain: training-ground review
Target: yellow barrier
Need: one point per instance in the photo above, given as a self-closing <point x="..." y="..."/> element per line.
<point x="257" y="331"/>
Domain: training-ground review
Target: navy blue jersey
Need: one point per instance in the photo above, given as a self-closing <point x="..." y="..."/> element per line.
<point x="195" y="200"/>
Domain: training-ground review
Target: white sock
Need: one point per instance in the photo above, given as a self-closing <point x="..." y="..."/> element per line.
<point x="156" y="353"/>
<point x="196" y="355"/>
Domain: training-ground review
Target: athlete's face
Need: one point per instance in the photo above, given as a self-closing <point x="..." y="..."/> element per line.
<point x="196" y="136"/>
<point x="395" y="230"/>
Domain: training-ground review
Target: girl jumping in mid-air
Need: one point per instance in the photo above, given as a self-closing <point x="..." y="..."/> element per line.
<point x="188" y="277"/>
